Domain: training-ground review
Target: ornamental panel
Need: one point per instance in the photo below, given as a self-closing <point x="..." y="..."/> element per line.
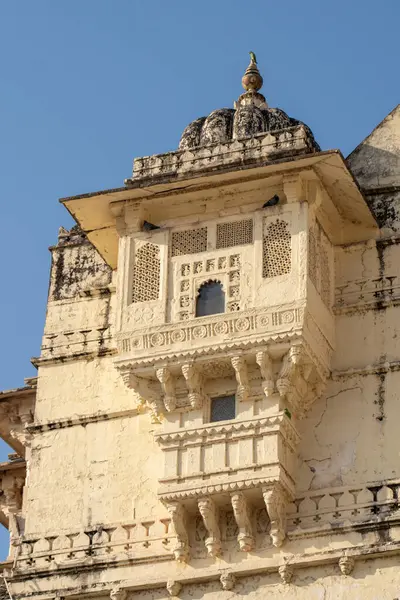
<point x="234" y="233"/>
<point x="277" y="258"/>
<point x="146" y="273"/>
<point x="190" y="241"/>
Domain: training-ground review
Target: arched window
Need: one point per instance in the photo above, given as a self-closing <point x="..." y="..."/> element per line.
<point x="211" y="299"/>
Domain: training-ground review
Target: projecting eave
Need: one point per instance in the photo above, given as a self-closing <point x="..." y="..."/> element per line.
<point x="156" y="198"/>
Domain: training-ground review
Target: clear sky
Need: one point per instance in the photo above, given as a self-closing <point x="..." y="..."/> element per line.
<point x="86" y="85"/>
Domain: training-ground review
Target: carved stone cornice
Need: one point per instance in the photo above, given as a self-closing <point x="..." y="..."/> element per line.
<point x="242" y="513"/>
<point x="210" y="514"/>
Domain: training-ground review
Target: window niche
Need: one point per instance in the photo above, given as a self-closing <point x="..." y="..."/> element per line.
<point x="210" y="299"/>
<point x="222" y="408"/>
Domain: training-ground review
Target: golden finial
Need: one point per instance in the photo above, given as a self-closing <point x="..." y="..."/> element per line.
<point x="252" y="80"/>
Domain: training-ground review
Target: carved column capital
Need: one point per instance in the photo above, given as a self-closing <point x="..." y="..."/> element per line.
<point x="241" y="372"/>
<point x="194" y="382"/>
<point x="167" y="381"/>
<point x="210" y="514"/>
<point x="276" y="501"/>
<point x="178" y="517"/>
<point x="264" y="361"/>
<point x="241" y="510"/>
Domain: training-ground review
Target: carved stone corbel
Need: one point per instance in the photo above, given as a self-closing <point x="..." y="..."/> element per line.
<point x="276" y="501"/>
<point x="178" y="517"/>
<point x="118" y="593"/>
<point x="289" y="371"/>
<point x="286" y="573"/>
<point x="173" y="587"/>
<point x="241" y="510"/>
<point x="143" y="394"/>
<point x="264" y="361"/>
<point x="242" y="377"/>
<point x="194" y="382"/>
<point x="11" y="507"/>
<point x="167" y="381"/>
<point x="228" y="581"/>
<point x="346" y="564"/>
<point x="209" y="512"/>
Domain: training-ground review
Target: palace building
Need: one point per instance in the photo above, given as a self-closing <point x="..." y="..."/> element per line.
<point x="216" y="408"/>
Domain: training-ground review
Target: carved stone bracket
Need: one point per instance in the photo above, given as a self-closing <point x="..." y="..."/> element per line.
<point x="346" y="565"/>
<point x="118" y="593"/>
<point x="167" y="381"/>
<point x="194" y="382"/>
<point x="179" y="520"/>
<point x="241" y="372"/>
<point x="286" y="573"/>
<point x="265" y="363"/>
<point x="228" y="581"/>
<point x="144" y="393"/>
<point x="241" y="510"/>
<point x="11" y="507"/>
<point x="209" y="513"/>
<point x="174" y="587"/>
<point x="276" y="502"/>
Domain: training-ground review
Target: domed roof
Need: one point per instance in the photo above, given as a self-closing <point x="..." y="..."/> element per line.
<point x="250" y="116"/>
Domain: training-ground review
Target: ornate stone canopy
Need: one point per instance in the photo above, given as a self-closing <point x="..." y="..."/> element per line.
<point x="250" y="116"/>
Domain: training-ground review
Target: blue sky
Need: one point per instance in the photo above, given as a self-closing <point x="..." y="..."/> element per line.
<point x="88" y="85"/>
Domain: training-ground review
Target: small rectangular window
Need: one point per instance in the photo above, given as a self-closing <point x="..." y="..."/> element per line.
<point x="223" y="408"/>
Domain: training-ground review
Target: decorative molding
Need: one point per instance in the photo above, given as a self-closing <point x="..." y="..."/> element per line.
<point x="194" y="337"/>
<point x="36" y="427"/>
<point x="261" y="147"/>
<point x="242" y="513"/>
<point x="179" y="520"/>
<point x="367" y="294"/>
<point x="210" y="515"/>
<point x="276" y="502"/>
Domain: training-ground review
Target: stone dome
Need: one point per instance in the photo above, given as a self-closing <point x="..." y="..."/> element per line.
<point x="250" y="116"/>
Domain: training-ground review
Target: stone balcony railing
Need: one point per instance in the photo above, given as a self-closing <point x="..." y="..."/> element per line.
<point x="233" y="455"/>
<point x="203" y="335"/>
<point x="265" y="147"/>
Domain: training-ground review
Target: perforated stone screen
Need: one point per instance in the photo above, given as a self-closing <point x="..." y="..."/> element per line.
<point x="223" y="408"/>
<point x="235" y="233"/>
<point x="189" y="242"/>
<point x="146" y="273"/>
<point x="277" y="259"/>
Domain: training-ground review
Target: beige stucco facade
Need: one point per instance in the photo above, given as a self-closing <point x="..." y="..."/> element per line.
<point x="125" y="485"/>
